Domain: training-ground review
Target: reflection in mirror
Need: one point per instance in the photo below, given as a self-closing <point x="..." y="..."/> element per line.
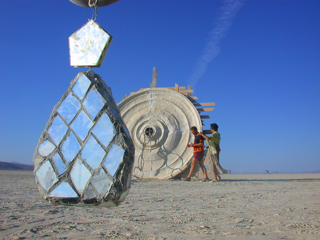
<point x="61" y="167"/>
<point x="89" y="193"/>
<point x="46" y="148"/>
<point x="101" y="182"/>
<point x="57" y="130"/>
<point x="104" y="130"/>
<point x="81" y="87"/>
<point x="69" y="107"/>
<point x="46" y="176"/>
<point x="113" y="159"/>
<point x="79" y="175"/>
<point x="81" y="125"/>
<point x="93" y="153"/>
<point x="93" y="102"/>
<point x="88" y="45"/>
<point x="63" y="190"/>
<point x="70" y="147"/>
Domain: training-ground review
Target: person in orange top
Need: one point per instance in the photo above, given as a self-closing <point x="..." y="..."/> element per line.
<point x="198" y="153"/>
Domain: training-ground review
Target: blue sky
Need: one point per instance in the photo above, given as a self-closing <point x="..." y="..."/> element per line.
<point x="259" y="61"/>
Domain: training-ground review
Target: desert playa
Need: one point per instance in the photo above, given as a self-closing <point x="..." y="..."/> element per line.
<point x="241" y="206"/>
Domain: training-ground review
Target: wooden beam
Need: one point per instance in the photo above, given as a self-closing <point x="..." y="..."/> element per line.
<point x="204" y="104"/>
<point x="176" y="87"/>
<point x="189" y="88"/>
<point x="205" y="116"/>
<point x="205" y="109"/>
<point x="173" y="88"/>
<point x="191" y="99"/>
<point x="186" y="91"/>
<point x="154" y="78"/>
<point x="194" y="97"/>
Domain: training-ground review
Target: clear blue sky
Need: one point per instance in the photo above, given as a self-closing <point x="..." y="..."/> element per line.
<point x="258" y="60"/>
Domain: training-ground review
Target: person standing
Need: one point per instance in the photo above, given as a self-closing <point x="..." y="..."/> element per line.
<point x="198" y="153"/>
<point x="214" y="149"/>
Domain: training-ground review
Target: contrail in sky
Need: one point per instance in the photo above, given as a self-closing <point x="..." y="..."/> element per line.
<point x="221" y="25"/>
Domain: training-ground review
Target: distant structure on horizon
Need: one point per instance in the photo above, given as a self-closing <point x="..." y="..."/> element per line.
<point x="15" y="166"/>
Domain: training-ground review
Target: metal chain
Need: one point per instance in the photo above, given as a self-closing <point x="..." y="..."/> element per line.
<point x="141" y="155"/>
<point x="94" y="5"/>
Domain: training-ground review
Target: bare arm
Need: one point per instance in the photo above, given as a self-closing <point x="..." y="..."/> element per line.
<point x="195" y="145"/>
<point x="208" y="138"/>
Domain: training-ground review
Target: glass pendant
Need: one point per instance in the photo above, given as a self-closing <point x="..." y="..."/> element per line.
<point x="85" y="155"/>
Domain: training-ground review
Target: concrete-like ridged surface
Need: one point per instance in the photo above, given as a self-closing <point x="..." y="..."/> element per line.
<point x="170" y="115"/>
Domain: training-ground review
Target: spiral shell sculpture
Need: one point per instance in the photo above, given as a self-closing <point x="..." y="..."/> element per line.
<point x="159" y="122"/>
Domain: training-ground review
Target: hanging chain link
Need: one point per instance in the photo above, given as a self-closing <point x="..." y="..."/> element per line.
<point x="94" y="4"/>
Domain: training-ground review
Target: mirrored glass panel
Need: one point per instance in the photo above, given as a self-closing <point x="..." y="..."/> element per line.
<point x="46" y="148"/>
<point x="113" y="159"/>
<point x="79" y="175"/>
<point x="104" y="130"/>
<point x="81" y="125"/>
<point x="89" y="193"/>
<point x="46" y="176"/>
<point x="70" y="147"/>
<point x="93" y="153"/>
<point x="93" y="102"/>
<point x="101" y="182"/>
<point x="61" y="167"/>
<point x="63" y="190"/>
<point x="88" y="45"/>
<point x="81" y="86"/>
<point x="57" y="130"/>
<point x="69" y="107"/>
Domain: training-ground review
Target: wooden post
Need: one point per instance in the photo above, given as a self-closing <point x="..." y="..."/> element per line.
<point x="154" y="78"/>
<point x="189" y="93"/>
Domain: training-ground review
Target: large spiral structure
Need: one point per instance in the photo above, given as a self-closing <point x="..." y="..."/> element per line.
<point x="159" y="122"/>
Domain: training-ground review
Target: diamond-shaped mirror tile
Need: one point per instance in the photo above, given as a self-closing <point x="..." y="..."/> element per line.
<point x="70" y="147"/>
<point x="104" y="130"/>
<point x="46" y="148"/>
<point x="46" y="176"/>
<point x="79" y="175"/>
<point x="81" y="125"/>
<point x="89" y="193"/>
<point x="101" y="182"/>
<point x="113" y="159"/>
<point x="57" y="130"/>
<point x="58" y="162"/>
<point x="63" y="190"/>
<point x="81" y="86"/>
<point x="93" y="153"/>
<point x="69" y="108"/>
<point x="88" y="46"/>
<point x="93" y="103"/>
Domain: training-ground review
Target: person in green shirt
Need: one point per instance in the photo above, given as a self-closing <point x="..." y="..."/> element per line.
<point x="214" y="149"/>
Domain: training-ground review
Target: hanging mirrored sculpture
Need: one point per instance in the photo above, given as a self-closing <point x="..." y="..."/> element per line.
<point x="85" y="154"/>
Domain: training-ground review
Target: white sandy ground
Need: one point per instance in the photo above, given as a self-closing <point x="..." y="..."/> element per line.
<point x="282" y="206"/>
